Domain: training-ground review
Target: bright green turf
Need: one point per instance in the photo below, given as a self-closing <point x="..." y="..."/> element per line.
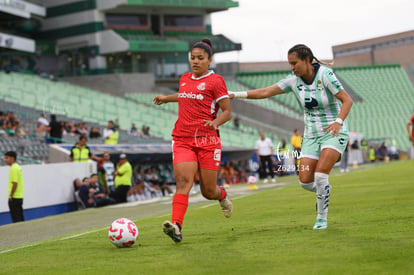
<point x="370" y="232"/>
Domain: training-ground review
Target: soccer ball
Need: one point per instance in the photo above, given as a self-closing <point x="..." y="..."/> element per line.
<point x="252" y="180"/>
<point x="123" y="232"/>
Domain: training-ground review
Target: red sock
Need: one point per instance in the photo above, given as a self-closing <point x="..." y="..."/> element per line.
<point x="223" y="193"/>
<point x="179" y="208"/>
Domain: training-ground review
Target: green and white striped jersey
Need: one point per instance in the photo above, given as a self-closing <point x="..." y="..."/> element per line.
<point x="317" y="99"/>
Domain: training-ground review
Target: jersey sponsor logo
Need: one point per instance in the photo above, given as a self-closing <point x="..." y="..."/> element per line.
<point x="191" y="95"/>
<point x="217" y="155"/>
<point x="311" y="102"/>
<point x="201" y="86"/>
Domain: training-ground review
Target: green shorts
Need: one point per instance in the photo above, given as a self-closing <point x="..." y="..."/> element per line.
<point x="312" y="147"/>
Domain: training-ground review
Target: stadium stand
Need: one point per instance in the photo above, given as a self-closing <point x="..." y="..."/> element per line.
<point x="264" y="79"/>
<point x="271" y="103"/>
<point x="387" y="101"/>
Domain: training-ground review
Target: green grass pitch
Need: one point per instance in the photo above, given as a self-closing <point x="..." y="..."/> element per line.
<point x="371" y="231"/>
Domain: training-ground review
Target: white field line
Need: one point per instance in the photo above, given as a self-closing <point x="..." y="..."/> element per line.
<point x="61" y="239"/>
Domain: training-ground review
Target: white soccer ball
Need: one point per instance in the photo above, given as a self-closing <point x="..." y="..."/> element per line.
<point x="123" y="232"/>
<point x="252" y="180"/>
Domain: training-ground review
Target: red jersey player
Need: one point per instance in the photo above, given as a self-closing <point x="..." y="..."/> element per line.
<point x="411" y="134"/>
<point x="196" y="140"/>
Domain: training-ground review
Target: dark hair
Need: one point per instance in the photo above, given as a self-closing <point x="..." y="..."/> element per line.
<point x="85" y="178"/>
<point x="303" y="51"/>
<point x="82" y="137"/>
<point x="206" y="45"/>
<point x="53" y="117"/>
<point x="12" y="154"/>
<point x="92" y="175"/>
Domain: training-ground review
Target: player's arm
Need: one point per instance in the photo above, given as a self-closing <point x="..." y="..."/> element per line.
<point x="13" y="189"/>
<point x="225" y="115"/>
<point x="161" y="99"/>
<point x="347" y="102"/>
<point x="258" y="93"/>
<point x="408" y="130"/>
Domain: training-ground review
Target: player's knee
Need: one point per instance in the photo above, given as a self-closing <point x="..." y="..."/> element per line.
<point x="209" y="193"/>
<point x="182" y="181"/>
<point x="306" y="177"/>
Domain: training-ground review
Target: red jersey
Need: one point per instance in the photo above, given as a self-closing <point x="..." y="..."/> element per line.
<point x="197" y="101"/>
<point x="412" y="125"/>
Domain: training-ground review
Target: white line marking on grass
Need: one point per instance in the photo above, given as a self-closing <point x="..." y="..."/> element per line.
<point x="80" y="234"/>
<point x="163" y="215"/>
<point x="207" y="205"/>
<point x="17" y="248"/>
<point x="61" y="239"/>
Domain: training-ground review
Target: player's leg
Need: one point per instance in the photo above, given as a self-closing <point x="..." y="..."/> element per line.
<point x="212" y="191"/>
<point x="331" y="150"/>
<point x="323" y="189"/>
<point x="185" y="167"/>
<point x="209" y="157"/>
<point x="307" y="173"/>
<point x="309" y="157"/>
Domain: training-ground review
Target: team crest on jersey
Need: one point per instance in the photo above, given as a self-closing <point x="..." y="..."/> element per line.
<point x="201" y="86"/>
<point x="319" y="85"/>
<point x="182" y="85"/>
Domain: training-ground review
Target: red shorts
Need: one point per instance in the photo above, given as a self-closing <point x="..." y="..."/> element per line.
<point x="204" y="150"/>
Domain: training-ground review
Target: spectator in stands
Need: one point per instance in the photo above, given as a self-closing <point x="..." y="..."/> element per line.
<point x="80" y="152"/>
<point x="10" y="116"/>
<point x="242" y="170"/>
<point x="55" y="130"/>
<point x="145" y="130"/>
<point x="197" y="147"/>
<point x="137" y="191"/>
<point x="94" y="133"/>
<point x="77" y="184"/>
<point x="410" y="132"/>
<point x="42" y="124"/>
<point x="2" y="120"/>
<point x="91" y="195"/>
<point x="230" y="174"/>
<point x="264" y="152"/>
<point x="42" y="120"/>
<point x="82" y="129"/>
<point x="382" y="152"/>
<point x="110" y="133"/>
<point x="123" y="177"/>
<point x="116" y="124"/>
<point x="296" y="141"/>
<point x="153" y="177"/>
<point x="133" y="131"/>
<point x="326" y="136"/>
<point x="99" y="195"/>
<point x="69" y="128"/>
<point x="11" y="129"/>
<point x="236" y="122"/>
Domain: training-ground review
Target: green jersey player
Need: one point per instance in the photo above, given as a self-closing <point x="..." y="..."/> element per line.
<point x="320" y="95"/>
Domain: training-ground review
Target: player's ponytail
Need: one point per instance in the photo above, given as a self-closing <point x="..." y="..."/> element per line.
<point x="206" y="45"/>
<point x="303" y="51"/>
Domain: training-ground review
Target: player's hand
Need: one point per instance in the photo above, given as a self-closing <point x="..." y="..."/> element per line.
<point x="211" y="124"/>
<point x="333" y="129"/>
<point x="159" y="99"/>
